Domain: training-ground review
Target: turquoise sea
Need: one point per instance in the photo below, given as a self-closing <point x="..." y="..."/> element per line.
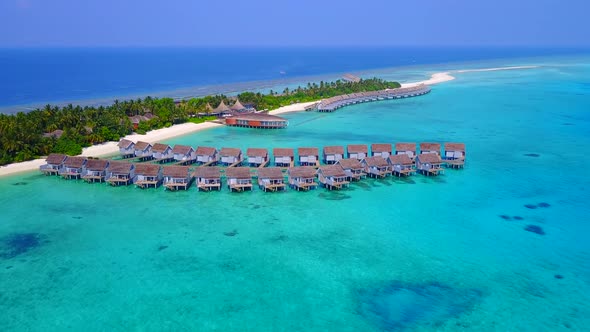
<point x="448" y="253"/>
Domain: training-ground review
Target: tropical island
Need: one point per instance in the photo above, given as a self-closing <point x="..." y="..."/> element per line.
<point x="68" y="129"/>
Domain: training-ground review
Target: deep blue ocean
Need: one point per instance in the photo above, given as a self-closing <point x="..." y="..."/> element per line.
<point x="89" y="76"/>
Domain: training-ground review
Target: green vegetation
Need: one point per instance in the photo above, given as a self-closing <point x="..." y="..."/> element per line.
<point x="22" y="135"/>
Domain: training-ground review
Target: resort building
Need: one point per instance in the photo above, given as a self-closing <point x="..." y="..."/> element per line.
<point x="126" y="148"/>
<point x="430" y="148"/>
<point x="257" y="157"/>
<point x="376" y="166"/>
<point x="177" y="177"/>
<point x="308" y="156"/>
<point x="208" y="178"/>
<point x="429" y="164"/>
<point x="408" y="149"/>
<point x="184" y="154"/>
<point x="147" y="175"/>
<point x="257" y="120"/>
<point x="237" y="107"/>
<point x="73" y="167"/>
<point x="357" y="151"/>
<point x="238" y="178"/>
<point x="120" y="173"/>
<point x="332" y="177"/>
<point x="143" y="150"/>
<point x="206" y="155"/>
<point x="95" y="170"/>
<point x="53" y="164"/>
<point x="230" y="156"/>
<point x="401" y="164"/>
<point x="271" y="179"/>
<point x="352" y="168"/>
<point x="455" y="155"/>
<point x="332" y="154"/>
<point x="283" y="157"/>
<point x="221" y="110"/>
<point x="381" y="149"/>
<point x="302" y="177"/>
<point x="162" y="152"/>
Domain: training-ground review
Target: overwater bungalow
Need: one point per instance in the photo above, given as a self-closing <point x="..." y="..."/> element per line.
<point x="95" y="170"/>
<point x="283" y="157"/>
<point x="230" y="156"/>
<point x="238" y="178"/>
<point x="143" y="150"/>
<point x="177" y="177"/>
<point x="352" y="168"/>
<point x="401" y="165"/>
<point x="126" y="148"/>
<point x="455" y="155"/>
<point x="208" y="178"/>
<point x="430" y="148"/>
<point x="120" y="173"/>
<point x="73" y="167"/>
<point x="302" y="177"/>
<point x="162" y="152"/>
<point x="147" y="175"/>
<point x="271" y="179"/>
<point x="408" y="149"/>
<point x="332" y="154"/>
<point x="429" y="164"/>
<point x="256" y="120"/>
<point x="308" y="156"/>
<point x="184" y="154"/>
<point x="206" y="155"/>
<point x="53" y="164"/>
<point x="376" y="166"/>
<point x="332" y="177"/>
<point x="257" y="157"/>
<point x="357" y="151"/>
<point x="381" y="149"/>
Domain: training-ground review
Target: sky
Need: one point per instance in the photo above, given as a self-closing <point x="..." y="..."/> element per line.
<point x="212" y="23"/>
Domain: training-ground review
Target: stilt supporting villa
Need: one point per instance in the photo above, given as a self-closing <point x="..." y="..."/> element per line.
<point x="381" y="149"/>
<point x="430" y="148"/>
<point x="73" y="167"/>
<point x="230" y="157"/>
<point x="177" y="177"/>
<point x="143" y="150"/>
<point x="302" y="177"/>
<point x="332" y="154"/>
<point x="353" y="169"/>
<point x="206" y="155"/>
<point x="162" y="153"/>
<point x="184" y="154"/>
<point x="283" y="157"/>
<point x="454" y="155"/>
<point x="408" y="149"/>
<point x="147" y="176"/>
<point x="332" y="177"/>
<point x="257" y="157"/>
<point x="95" y="170"/>
<point x="376" y="167"/>
<point x="429" y="164"/>
<point x="208" y="178"/>
<point x="271" y="179"/>
<point x="120" y="173"/>
<point x="401" y="165"/>
<point x="238" y="178"/>
<point x="126" y="148"/>
<point x="53" y="164"/>
<point x="308" y="156"/>
<point x="357" y="151"/>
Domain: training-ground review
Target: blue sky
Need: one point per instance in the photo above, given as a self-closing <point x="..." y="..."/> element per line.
<point x="293" y="23"/>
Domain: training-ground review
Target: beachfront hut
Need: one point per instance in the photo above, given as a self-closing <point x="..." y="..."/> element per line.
<point x="332" y="177"/>
<point x="206" y="155"/>
<point x="454" y="155"/>
<point x="162" y="152"/>
<point x="143" y="150"/>
<point x="208" y="178"/>
<point x="120" y="173"/>
<point x="429" y="164"/>
<point x="221" y="109"/>
<point x="237" y="106"/>
<point x="375" y="166"/>
<point x="230" y="156"/>
<point x="430" y="148"/>
<point x="352" y="168"/>
<point x="73" y="167"/>
<point x="271" y="179"/>
<point x="408" y="149"/>
<point x="400" y="164"/>
<point x="357" y="151"/>
<point x="184" y="154"/>
<point x="332" y="154"/>
<point x="308" y="156"/>
<point x="147" y="175"/>
<point x="53" y="164"/>
<point x="177" y="177"/>
<point x="238" y="178"/>
<point x="257" y="157"/>
<point x="381" y="149"/>
<point x="126" y="148"/>
<point x="95" y="170"/>
<point x="302" y="177"/>
<point x="283" y="157"/>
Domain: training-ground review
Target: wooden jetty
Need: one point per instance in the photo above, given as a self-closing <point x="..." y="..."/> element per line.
<point x="126" y="148"/>
<point x="352" y="168"/>
<point x="177" y="177"/>
<point x="382" y="150"/>
<point x="376" y="167"/>
<point x="120" y="173"/>
<point x="206" y="155"/>
<point x="408" y="149"/>
<point x="357" y="151"/>
<point x="257" y="157"/>
<point x="332" y="154"/>
<point x="162" y="153"/>
<point x="147" y="176"/>
<point x="308" y="156"/>
<point x="332" y="177"/>
<point x="53" y="164"/>
<point x="429" y="164"/>
<point x="454" y="155"/>
<point x="208" y="178"/>
<point x="95" y="170"/>
<point x="284" y="157"/>
<point x="143" y="150"/>
<point x="333" y="103"/>
<point x="230" y="157"/>
<point x="73" y="167"/>
<point x="184" y="154"/>
<point x="401" y="165"/>
<point x="302" y="177"/>
<point x="238" y="178"/>
<point x="430" y="148"/>
<point x="271" y="179"/>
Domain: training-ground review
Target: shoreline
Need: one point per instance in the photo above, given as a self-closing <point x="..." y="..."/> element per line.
<point x="110" y="148"/>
